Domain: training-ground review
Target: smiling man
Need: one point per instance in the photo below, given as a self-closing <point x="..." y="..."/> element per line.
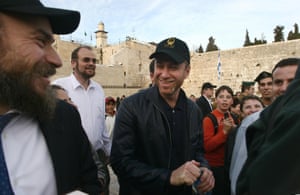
<point x="43" y="147"/>
<point x="265" y="87"/>
<point x="157" y="145"/>
<point x="89" y="98"/>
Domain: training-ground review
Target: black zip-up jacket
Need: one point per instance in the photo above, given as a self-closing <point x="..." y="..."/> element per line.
<point x="142" y="145"/>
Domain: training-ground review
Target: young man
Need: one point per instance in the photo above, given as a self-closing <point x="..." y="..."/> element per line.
<point x="43" y="149"/>
<point x="265" y="87"/>
<point x="215" y="138"/>
<point x="204" y="102"/>
<point x="157" y="145"/>
<point x="284" y="73"/>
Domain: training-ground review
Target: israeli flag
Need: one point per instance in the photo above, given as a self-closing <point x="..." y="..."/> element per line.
<point x="219" y="67"/>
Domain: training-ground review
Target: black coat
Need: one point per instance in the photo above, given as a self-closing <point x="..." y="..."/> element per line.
<point x="70" y="151"/>
<point x="273" y="160"/>
<point x="142" y="146"/>
<point x="204" y="106"/>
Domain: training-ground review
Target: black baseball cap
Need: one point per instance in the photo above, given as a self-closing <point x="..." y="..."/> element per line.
<point x="62" y="21"/>
<point x="208" y="85"/>
<point x="175" y="48"/>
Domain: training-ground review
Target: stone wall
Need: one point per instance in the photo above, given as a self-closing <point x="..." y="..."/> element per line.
<point x="124" y="68"/>
<point x="237" y="65"/>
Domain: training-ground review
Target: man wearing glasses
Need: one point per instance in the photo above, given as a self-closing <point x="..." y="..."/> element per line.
<point x="89" y="98"/>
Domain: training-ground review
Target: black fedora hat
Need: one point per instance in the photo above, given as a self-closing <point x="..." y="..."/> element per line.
<point x="62" y="21"/>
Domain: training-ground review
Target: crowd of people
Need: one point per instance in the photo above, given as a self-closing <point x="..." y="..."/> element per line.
<point x="61" y="137"/>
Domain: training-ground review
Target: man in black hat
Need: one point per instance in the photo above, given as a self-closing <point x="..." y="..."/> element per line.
<point x="43" y="148"/>
<point x="265" y="87"/>
<point x="204" y="101"/>
<point x="157" y="145"/>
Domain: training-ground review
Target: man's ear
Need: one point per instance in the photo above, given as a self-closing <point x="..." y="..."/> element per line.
<point x="187" y="69"/>
<point x="73" y="63"/>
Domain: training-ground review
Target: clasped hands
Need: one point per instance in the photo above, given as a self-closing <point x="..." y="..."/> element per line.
<point x="189" y="172"/>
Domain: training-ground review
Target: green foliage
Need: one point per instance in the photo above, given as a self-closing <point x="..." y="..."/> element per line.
<point x="259" y="42"/>
<point x="278" y="33"/>
<point x="211" y="46"/>
<point x="200" y="49"/>
<point x="247" y="40"/>
<point x="294" y="35"/>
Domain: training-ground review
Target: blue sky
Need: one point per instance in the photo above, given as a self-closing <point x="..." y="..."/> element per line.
<point x="193" y="21"/>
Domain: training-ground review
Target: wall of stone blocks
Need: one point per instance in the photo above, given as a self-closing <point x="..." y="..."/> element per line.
<point x="132" y="57"/>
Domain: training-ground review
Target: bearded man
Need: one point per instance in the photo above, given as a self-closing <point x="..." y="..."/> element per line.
<point x="43" y="147"/>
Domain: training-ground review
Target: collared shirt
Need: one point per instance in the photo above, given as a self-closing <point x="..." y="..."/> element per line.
<point x="91" y="106"/>
<point x="209" y="102"/>
<point x="110" y="122"/>
<point x="177" y="122"/>
<point x="27" y="157"/>
<point x="239" y="154"/>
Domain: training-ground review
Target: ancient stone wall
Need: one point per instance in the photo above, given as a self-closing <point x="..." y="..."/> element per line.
<point x="124" y="68"/>
<point x="237" y="65"/>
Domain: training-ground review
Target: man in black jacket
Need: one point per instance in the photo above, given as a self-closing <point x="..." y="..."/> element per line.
<point x="158" y="143"/>
<point x="204" y="101"/>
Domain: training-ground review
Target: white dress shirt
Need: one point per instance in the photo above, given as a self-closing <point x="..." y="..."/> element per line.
<point x="110" y="123"/>
<point x="27" y="157"/>
<point x="91" y="106"/>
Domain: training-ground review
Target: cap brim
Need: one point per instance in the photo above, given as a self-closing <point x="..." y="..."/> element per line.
<point x="172" y="55"/>
<point x="62" y="21"/>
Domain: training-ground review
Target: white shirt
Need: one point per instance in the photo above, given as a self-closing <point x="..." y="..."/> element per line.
<point x="91" y="106"/>
<point x="110" y="123"/>
<point x="27" y="157"/>
<point x="240" y="154"/>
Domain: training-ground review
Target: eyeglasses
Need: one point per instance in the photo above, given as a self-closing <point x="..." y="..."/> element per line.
<point x="87" y="60"/>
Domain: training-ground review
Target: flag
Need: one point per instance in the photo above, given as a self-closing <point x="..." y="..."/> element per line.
<point x="219" y="67"/>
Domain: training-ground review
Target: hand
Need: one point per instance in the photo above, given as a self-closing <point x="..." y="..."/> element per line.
<point x="228" y="125"/>
<point x="186" y="174"/>
<point x="207" y="180"/>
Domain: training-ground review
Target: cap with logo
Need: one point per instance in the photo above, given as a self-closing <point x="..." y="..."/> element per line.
<point x="174" y="48"/>
<point x="62" y="21"/>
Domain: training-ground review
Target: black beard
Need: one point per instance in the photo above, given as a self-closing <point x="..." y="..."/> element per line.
<point x="83" y="74"/>
<point x="17" y="92"/>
